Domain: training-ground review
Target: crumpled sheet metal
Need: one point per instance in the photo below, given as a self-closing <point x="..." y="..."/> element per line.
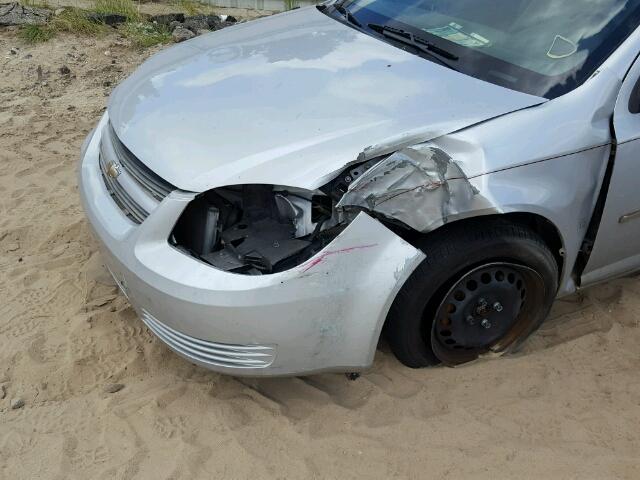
<point x="420" y="186"/>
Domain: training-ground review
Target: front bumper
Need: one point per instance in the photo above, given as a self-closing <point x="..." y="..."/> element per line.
<point x="324" y="315"/>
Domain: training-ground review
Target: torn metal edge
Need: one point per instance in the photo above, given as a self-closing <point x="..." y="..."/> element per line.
<point x="420" y="186"/>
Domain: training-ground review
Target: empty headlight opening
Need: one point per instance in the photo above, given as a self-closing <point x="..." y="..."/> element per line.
<point x="257" y="229"/>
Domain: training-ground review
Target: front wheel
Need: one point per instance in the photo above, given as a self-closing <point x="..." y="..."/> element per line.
<point x="484" y="287"/>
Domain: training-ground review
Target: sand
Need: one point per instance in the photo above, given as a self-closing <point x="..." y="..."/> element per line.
<point x="567" y="407"/>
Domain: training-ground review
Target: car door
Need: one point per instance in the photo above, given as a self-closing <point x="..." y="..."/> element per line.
<point x="617" y="245"/>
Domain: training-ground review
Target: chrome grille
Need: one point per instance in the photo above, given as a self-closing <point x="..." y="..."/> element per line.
<point x="155" y="185"/>
<point x="127" y="204"/>
<point x="215" y="354"/>
<point x="136" y="190"/>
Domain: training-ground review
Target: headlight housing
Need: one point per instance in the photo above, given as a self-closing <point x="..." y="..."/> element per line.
<point x="257" y="229"/>
<point x="262" y="229"/>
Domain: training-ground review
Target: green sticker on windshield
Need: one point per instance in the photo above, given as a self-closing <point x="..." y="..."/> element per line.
<point x="453" y="32"/>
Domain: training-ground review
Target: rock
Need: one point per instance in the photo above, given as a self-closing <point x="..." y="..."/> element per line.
<point x="111" y="19"/>
<point x="64" y="70"/>
<point x="180" y="34"/>
<point x="203" y="32"/>
<point x="197" y="22"/>
<point x="59" y="11"/>
<point x="218" y="22"/>
<point x="174" y="25"/>
<point x="14" y="51"/>
<point x="213" y="21"/>
<point x="17" y="403"/>
<point x="113" y="387"/>
<point x="16" y="14"/>
<point x="3" y="392"/>
<point x="167" y="18"/>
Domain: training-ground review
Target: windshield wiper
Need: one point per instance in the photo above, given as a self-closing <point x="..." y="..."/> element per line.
<point x="346" y="13"/>
<point x="416" y="42"/>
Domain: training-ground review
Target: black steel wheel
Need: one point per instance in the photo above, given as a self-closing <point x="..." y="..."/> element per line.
<point x="484" y="287"/>
<point x="486" y="310"/>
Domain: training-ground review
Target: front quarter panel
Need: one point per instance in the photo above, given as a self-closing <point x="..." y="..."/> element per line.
<point x="547" y="160"/>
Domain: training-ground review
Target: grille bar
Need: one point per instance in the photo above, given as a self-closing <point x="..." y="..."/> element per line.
<point x="136" y="190"/>
<point x="157" y="187"/>
<point x="220" y="354"/>
<point x="129" y="206"/>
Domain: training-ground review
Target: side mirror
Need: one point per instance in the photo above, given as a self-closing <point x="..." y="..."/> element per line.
<point x="634" y="99"/>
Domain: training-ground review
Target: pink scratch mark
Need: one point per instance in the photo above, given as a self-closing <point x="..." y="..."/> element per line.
<point x="319" y="259"/>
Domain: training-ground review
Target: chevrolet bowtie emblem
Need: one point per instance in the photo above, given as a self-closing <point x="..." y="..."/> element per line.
<point x="113" y="170"/>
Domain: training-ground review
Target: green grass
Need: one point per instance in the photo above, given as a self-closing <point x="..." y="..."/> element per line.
<point x="144" y="34"/>
<point x="74" y="20"/>
<point x="71" y="20"/>
<point x="36" y="33"/>
<point x="121" y="7"/>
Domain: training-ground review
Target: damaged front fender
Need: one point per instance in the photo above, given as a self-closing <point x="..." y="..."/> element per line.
<point x="420" y="186"/>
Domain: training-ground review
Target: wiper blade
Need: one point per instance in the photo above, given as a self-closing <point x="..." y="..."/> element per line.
<point x="417" y="42"/>
<point x="346" y="13"/>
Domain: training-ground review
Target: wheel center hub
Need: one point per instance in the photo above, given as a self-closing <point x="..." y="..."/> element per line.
<point x="482" y="308"/>
<point x="482" y="312"/>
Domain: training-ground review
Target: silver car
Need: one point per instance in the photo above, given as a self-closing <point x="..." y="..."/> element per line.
<point x="274" y="196"/>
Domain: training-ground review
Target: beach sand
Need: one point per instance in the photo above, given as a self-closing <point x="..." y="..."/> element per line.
<point x="567" y="406"/>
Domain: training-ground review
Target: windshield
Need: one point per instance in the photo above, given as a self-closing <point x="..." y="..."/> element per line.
<point x="541" y="47"/>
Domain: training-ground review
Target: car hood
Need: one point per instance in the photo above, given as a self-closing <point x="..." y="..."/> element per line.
<point x="289" y="100"/>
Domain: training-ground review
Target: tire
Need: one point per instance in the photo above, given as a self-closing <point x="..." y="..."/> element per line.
<point x="452" y="252"/>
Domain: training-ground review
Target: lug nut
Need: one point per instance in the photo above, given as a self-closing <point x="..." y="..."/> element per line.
<point x="486" y="323"/>
<point x="497" y="307"/>
<point x="471" y="320"/>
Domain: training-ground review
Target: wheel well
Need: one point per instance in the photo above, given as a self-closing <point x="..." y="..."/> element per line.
<point x="503" y="247"/>
<point x="537" y="223"/>
<point x="547" y="231"/>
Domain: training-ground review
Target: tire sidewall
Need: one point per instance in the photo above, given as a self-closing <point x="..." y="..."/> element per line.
<point x="448" y="260"/>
